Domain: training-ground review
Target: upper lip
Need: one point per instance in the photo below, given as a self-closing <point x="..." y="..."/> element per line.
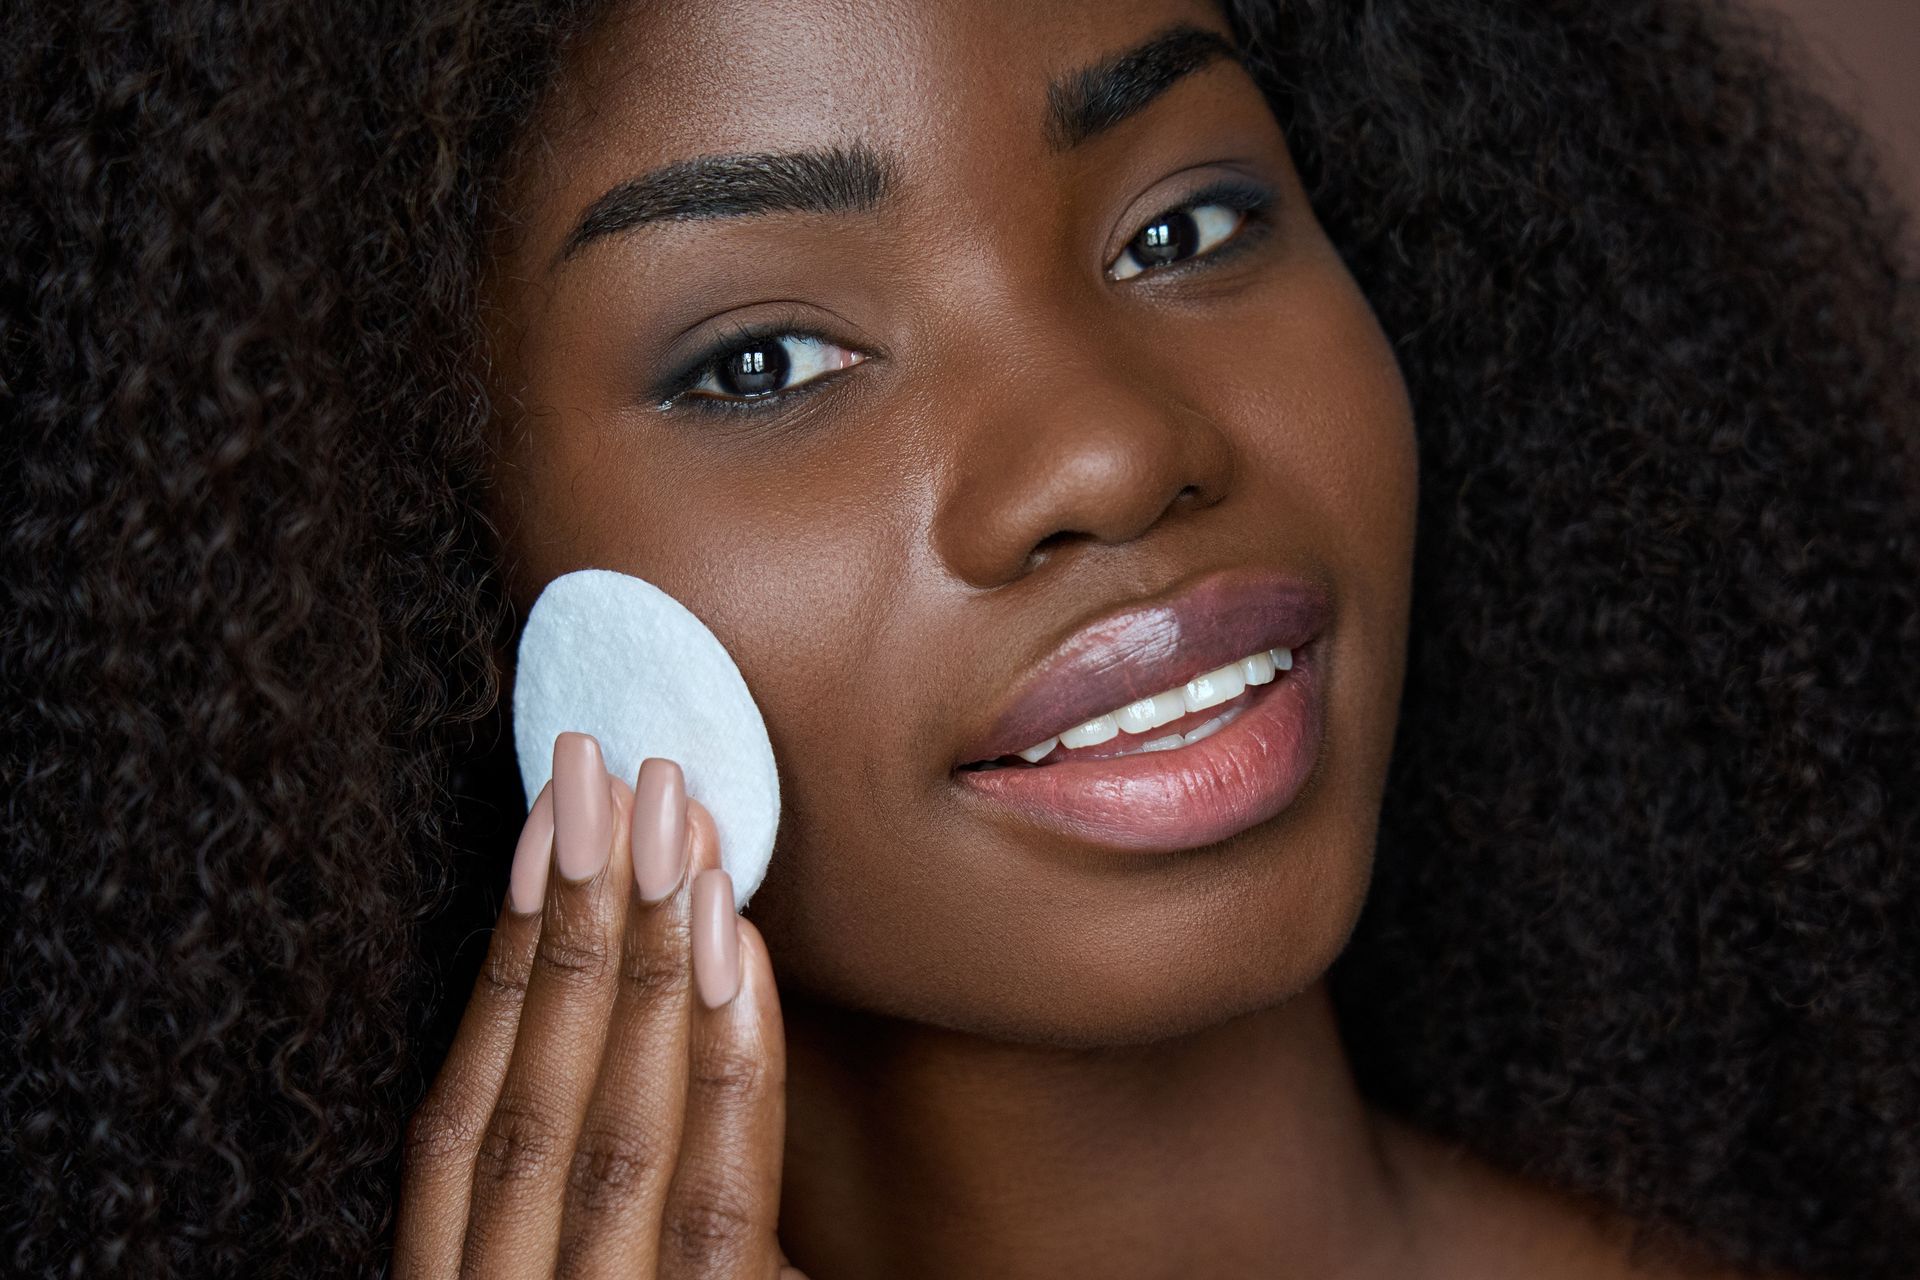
<point x="1153" y="645"/>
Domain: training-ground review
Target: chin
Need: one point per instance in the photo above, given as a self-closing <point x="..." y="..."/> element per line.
<point x="1237" y="945"/>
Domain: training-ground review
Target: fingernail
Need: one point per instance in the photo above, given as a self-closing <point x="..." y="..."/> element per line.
<point x="527" y="881"/>
<point x="582" y="807"/>
<point x="716" y="938"/>
<point x="659" y="828"/>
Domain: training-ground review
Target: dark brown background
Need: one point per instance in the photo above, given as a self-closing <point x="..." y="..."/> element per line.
<point x="1866" y="55"/>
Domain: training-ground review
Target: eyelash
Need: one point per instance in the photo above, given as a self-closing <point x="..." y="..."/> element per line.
<point x="1254" y="203"/>
<point x="672" y="392"/>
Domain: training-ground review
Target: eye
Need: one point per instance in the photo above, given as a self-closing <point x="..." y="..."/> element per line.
<point x="1189" y="231"/>
<point x="763" y="367"/>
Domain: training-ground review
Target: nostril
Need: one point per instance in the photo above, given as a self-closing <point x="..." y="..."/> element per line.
<point x="1043" y="550"/>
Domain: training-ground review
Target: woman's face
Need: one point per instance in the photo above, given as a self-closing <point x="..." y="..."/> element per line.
<point x="899" y="416"/>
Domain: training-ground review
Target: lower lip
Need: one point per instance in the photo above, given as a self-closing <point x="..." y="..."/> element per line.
<point x="1164" y="801"/>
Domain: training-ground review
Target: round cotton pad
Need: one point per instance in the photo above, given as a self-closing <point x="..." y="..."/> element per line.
<point x="612" y="655"/>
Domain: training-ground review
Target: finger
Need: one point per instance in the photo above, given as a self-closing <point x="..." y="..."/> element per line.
<point x="723" y="1207"/>
<point x="520" y="1172"/>
<point x="444" y="1135"/>
<point x="630" y="1138"/>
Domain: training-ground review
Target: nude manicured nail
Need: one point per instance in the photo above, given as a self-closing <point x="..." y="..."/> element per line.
<point x="582" y="807"/>
<point x="659" y="828"/>
<point x="716" y="938"/>
<point x="527" y="881"/>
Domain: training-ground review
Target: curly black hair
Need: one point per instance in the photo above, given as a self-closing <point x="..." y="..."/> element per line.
<point x="1644" y="919"/>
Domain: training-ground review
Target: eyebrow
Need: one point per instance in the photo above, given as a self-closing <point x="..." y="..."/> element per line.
<point x="856" y="178"/>
<point x="841" y="179"/>
<point x="1098" y="97"/>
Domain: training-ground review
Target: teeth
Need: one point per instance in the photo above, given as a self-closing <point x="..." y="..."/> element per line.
<point x="1092" y="733"/>
<point x="1206" y="730"/>
<point x="1209" y="689"/>
<point x="1150" y="713"/>
<point x="1032" y="754"/>
<point x="1212" y="726"/>
<point x="1212" y="688"/>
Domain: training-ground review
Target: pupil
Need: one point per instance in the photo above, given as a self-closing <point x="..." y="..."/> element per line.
<point x="1169" y="239"/>
<point x="755" y="371"/>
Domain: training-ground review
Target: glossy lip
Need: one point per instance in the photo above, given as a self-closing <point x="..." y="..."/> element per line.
<point x="1149" y="647"/>
<point x="1165" y="801"/>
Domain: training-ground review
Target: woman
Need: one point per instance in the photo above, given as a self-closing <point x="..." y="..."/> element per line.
<point x="1541" y="374"/>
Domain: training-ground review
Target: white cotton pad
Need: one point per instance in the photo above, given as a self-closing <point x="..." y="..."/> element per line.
<point x="612" y="655"/>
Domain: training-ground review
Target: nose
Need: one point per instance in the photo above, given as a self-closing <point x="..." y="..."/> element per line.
<point x="1074" y="449"/>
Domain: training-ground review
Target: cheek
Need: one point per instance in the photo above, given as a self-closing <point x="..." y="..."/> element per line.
<point x="1327" y="427"/>
<point x="1323" y="412"/>
<point x="791" y="552"/>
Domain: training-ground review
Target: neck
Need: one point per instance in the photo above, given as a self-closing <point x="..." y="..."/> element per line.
<point x="1242" y="1148"/>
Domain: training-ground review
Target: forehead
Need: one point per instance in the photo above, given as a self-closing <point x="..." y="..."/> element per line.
<point x="665" y="82"/>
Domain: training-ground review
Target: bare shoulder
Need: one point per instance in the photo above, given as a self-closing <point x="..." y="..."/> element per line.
<point x="1481" y="1222"/>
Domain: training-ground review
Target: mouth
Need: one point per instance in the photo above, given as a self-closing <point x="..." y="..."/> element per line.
<point x="1227" y="740"/>
<point x="1241" y="763"/>
<point x="1166" y="721"/>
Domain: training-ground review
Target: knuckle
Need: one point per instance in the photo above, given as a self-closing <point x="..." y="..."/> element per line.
<point x="611" y="1165"/>
<point x="710" y="1226"/>
<point x="654" y="974"/>
<point x="438" y="1132"/>
<point x="573" y="956"/>
<point x="521" y="1142"/>
<point x="727" y="1075"/>
<point x="504" y="978"/>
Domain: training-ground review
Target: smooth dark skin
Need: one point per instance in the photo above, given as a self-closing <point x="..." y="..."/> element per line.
<point x="1006" y="1055"/>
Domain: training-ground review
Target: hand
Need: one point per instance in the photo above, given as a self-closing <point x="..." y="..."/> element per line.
<point x="615" y="1099"/>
